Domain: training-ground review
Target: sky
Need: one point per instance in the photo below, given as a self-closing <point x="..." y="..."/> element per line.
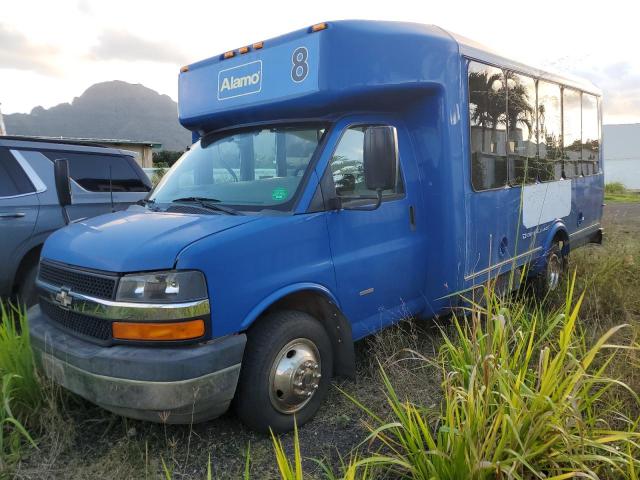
<point x="51" y="51"/>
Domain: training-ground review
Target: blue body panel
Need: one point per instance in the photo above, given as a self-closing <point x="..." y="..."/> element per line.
<point x="376" y="266"/>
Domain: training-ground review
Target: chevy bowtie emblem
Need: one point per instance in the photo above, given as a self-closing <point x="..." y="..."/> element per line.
<point x="64" y="298"/>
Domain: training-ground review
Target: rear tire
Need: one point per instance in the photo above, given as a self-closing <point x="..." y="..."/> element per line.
<point x="27" y="292"/>
<point x="286" y="372"/>
<point x="553" y="273"/>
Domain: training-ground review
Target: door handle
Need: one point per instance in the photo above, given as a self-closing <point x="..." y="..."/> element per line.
<point x="412" y="218"/>
<point x="12" y="215"/>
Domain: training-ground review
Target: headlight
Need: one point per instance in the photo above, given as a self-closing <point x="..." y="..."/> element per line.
<point x="162" y="287"/>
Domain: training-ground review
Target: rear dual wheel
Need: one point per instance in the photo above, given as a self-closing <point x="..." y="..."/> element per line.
<point x="550" y="278"/>
<point x="285" y="372"/>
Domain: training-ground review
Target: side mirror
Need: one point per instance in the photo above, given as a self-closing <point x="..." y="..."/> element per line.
<point x="63" y="186"/>
<point x="380" y="157"/>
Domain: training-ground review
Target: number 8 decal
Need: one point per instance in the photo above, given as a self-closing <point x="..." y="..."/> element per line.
<point x="300" y="68"/>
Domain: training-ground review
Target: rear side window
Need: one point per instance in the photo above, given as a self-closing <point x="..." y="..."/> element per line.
<point x="549" y="131"/>
<point x="95" y="172"/>
<point x="487" y="116"/>
<point x="590" y="135"/>
<point x="521" y="119"/>
<point x="571" y="132"/>
<point x="13" y="180"/>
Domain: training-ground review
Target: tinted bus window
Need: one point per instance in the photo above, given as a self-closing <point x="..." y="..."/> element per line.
<point x="590" y="134"/>
<point x="99" y="173"/>
<point x="488" y="132"/>
<point x="571" y="132"/>
<point x="521" y="119"/>
<point x="549" y="132"/>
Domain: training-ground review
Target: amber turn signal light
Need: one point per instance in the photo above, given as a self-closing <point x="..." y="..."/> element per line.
<point x="229" y="54"/>
<point x="243" y="50"/>
<point x="184" y="69"/>
<point x="158" y="331"/>
<point x="319" y="26"/>
<point x="258" y="45"/>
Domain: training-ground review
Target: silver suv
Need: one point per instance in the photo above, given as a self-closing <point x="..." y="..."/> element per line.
<point x="100" y="180"/>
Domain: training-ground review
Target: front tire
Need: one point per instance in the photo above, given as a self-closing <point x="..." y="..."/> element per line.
<point x="286" y="372"/>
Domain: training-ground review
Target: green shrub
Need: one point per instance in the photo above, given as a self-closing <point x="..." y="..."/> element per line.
<point x="615" y="188"/>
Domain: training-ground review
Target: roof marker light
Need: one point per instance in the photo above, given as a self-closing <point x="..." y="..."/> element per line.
<point x="184" y="69"/>
<point x="242" y="50"/>
<point x="319" y="26"/>
<point x="228" y="54"/>
<point x="258" y="45"/>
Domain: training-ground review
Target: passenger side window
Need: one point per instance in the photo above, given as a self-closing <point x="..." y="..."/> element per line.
<point x="590" y="135"/>
<point x="571" y="132"/>
<point x="521" y="126"/>
<point x="99" y="173"/>
<point x="13" y="180"/>
<point x="347" y="167"/>
<point x="549" y="132"/>
<point x="488" y="127"/>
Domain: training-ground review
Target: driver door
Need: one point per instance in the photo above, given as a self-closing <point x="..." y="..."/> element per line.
<point x="377" y="254"/>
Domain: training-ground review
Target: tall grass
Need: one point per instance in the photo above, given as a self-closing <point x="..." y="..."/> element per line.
<point x="16" y="359"/>
<point x="523" y="398"/>
<point x="20" y="394"/>
<point x="525" y="395"/>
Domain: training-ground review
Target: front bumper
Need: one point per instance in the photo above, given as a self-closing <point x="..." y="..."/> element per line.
<point x="181" y="384"/>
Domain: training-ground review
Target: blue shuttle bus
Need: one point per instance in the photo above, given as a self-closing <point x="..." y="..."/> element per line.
<point x="342" y="176"/>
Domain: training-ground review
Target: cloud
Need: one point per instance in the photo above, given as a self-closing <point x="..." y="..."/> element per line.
<point x="620" y="83"/>
<point x="17" y="52"/>
<point x="122" y="45"/>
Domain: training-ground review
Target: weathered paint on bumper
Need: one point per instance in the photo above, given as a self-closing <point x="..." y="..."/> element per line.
<point x="172" y="385"/>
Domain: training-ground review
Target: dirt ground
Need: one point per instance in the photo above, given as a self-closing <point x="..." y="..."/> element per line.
<point x="87" y="442"/>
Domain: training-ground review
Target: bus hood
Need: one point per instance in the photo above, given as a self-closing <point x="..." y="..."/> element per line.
<point x="134" y="240"/>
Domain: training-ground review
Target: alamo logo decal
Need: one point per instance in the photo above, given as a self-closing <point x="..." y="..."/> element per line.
<point x="241" y="80"/>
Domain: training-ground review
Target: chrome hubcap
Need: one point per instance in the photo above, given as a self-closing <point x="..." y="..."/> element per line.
<point x="554" y="270"/>
<point x="295" y="375"/>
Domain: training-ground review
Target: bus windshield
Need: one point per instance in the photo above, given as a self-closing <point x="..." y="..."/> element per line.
<point x="251" y="169"/>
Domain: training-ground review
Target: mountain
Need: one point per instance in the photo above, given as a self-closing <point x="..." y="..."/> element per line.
<point x="108" y="110"/>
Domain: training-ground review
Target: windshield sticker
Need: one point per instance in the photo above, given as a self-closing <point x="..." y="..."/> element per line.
<point x="279" y="194"/>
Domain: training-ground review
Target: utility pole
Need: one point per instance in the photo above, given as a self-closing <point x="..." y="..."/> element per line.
<point x="3" y="131"/>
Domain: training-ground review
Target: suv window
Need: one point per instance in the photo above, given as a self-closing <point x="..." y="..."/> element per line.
<point x="13" y="180"/>
<point x="347" y="167"/>
<point x="91" y="172"/>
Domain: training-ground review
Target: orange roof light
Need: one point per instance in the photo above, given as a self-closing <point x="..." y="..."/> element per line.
<point x="184" y="69"/>
<point x="158" y="331"/>
<point x="319" y="26"/>
<point x="243" y="50"/>
<point x="258" y="45"/>
<point x="228" y="54"/>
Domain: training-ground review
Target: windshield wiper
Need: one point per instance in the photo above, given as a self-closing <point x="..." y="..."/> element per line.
<point x="209" y="203"/>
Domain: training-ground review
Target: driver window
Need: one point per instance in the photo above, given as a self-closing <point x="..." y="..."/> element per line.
<point x="347" y="167"/>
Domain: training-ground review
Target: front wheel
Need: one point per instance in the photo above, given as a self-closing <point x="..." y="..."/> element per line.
<point x="285" y="373"/>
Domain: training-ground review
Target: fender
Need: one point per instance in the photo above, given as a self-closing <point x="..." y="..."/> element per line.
<point x="280" y="294"/>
